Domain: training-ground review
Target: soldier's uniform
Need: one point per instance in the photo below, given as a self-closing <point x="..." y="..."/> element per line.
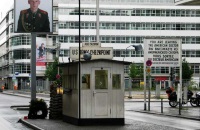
<point x="33" y="22"/>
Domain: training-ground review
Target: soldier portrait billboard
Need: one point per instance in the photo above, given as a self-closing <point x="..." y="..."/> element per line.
<point x="33" y="16"/>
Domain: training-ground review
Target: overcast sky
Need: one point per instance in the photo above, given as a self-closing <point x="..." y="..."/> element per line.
<point x="5" y="5"/>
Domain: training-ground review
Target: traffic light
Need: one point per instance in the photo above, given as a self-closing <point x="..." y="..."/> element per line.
<point x="53" y="51"/>
<point x="172" y="74"/>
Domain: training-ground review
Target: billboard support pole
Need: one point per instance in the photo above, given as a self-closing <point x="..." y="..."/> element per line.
<point x="33" y="66"/>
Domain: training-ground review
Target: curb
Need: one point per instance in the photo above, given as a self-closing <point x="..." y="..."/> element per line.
<point x="13" y="94"/>
<point x="148" y="112"/>
<point x="20" y="107"/>
<point x="21" y="95"/>
<point x="29" y="125"/>
<point x="136" y="100"/>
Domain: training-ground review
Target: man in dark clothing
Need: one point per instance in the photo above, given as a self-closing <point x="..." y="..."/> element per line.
<point x="33" y="19"/>
<point x="41" y="50"/>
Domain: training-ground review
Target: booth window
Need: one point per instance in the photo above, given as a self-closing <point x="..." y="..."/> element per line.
<point x="69" y="81"/>
<point x="65" y="82"/>
<point x="101" y="79"/>
<point x="73" y="81"/>
<point x="86" y="81"/>
<point x="116" y="81"/>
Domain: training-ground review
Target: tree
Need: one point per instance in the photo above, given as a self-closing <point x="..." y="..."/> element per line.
<point x="136" y="73"/>
<point x="136" y="70"/>
<point x="186" y="70"/>
<point x="52" y="70"/>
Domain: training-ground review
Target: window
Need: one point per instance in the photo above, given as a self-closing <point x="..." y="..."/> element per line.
<point x="69" y="81"/>
<point x="195" y="69"/>
<point x="116" y="81"/>
<point x="117" y="53"/>
<point x="86" y="81"/>
<point x="65" y="82"/>
<point x="101" y="79"/>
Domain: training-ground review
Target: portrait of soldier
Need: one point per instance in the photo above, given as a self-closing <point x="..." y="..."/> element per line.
<point x="33" y="19"/>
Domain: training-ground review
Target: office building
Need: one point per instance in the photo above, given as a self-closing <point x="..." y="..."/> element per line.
<point x="121" y="23"/>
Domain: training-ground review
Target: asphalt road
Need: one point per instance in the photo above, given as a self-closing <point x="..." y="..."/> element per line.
<point x="9" y="117"/>
<point x="133" y="120"/>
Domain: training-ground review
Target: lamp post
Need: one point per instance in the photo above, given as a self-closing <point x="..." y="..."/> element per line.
<point x="97" y="20"/>
<point x="79" y="57"/>
<point x="58" y="51"/>
<point x="137" y="48"/>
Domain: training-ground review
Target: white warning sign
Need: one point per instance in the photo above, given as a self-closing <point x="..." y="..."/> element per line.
<point x="163" y="52"/>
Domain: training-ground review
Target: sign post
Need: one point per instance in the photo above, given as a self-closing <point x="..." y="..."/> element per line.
<point x="162" y="53"/>
<point x="149" y="63"/>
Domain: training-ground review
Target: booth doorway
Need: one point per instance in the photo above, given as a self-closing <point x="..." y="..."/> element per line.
<point x="101" y="92"/>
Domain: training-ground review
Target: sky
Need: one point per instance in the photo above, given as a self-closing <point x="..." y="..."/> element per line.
<point x="5" y="5"/>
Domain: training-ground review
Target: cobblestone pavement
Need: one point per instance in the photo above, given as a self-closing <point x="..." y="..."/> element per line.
<point x="129" y="125"/>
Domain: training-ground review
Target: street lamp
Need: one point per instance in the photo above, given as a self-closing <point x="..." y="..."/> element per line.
<point x="137" y="48"/>
<point x="59" y="90"/>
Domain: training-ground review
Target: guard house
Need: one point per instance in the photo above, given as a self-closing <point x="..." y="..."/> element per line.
<point x="99" y="97"/>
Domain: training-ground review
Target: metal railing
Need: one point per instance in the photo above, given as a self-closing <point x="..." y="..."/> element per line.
<point x="41" y="86"/>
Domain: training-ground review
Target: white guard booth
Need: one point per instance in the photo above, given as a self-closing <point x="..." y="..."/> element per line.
<point x="101" y="96"/>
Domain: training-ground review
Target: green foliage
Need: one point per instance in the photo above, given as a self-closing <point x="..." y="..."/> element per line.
<point x="193" y="86"/>
<point x="136" y="70"/>
<point x="186" y="70"/>
<point x="52" y="70"/>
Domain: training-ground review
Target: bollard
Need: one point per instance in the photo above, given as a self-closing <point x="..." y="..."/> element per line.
<point x="2" y="88"/>
<point x="161" y="105"/>
<point x="179" y="106"/>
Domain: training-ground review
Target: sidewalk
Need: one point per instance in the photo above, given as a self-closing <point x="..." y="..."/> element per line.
<point x="140" y="94"/>
<point x="187" y="112"/>
<point x="44" y="96"/>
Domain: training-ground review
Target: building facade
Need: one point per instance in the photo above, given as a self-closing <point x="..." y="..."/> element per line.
<point x="187" y="2"/>
<point x="121" y="23"/>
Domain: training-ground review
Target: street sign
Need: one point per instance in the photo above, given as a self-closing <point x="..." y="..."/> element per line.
<point x="148" y="70"/>
<point x="96" y="52"/>
<point x="163" y="52"/>
<point x="14" y="78"/>
<point x="148" y="62"/>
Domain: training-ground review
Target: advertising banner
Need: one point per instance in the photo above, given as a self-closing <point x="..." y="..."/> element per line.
<point x="33" y="16"/>
<point x="40" y="54"/>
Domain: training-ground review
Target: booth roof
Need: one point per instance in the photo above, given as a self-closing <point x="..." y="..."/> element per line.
<point x="83" y="61"/>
